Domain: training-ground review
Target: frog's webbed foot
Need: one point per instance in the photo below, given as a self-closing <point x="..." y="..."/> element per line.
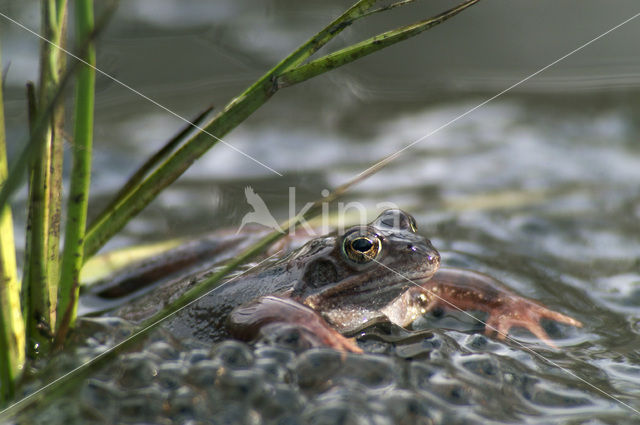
<point x="520" y="312"/>
<point x="464" y="290"/>
<point x="246" y="322"/>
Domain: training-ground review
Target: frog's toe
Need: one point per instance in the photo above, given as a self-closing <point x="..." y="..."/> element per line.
<point x="495" y="326"/>
<point x="499" y="326"/>
<point x="541" y="334"/>
<point x="559" y="317"/>
<point x="347" y="344"/>
<point x="527" y="315"/>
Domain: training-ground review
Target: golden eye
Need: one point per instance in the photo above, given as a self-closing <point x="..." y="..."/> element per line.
<point x="361" y="249"/>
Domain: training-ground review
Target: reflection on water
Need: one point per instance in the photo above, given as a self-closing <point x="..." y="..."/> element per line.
<point x="539" y="190"/>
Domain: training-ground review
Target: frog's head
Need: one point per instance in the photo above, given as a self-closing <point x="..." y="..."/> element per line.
<point x="366" y="265"/>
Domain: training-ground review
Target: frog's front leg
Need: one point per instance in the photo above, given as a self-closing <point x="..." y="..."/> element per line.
<point x="467" y="290"/>
<point x="246" y="321"/>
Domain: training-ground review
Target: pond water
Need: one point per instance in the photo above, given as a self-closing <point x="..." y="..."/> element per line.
<point x="538" y="188"/>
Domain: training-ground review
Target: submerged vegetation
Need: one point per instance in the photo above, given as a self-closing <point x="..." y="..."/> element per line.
<point x="38" y="312"/>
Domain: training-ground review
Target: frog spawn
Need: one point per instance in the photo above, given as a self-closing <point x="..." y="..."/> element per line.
<point x="411" y="378"/>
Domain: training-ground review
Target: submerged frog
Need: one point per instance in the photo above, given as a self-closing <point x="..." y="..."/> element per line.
<point x="342" y="283"/>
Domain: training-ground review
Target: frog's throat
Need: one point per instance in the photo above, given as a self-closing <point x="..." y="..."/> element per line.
<point x="352" y="292"/>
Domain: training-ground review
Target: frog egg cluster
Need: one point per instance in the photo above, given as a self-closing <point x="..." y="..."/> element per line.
<point x="417" y="378"/>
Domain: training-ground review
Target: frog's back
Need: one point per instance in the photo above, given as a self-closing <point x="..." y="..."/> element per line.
<point x="144" y="289"/>
<point x="205" y="319"/>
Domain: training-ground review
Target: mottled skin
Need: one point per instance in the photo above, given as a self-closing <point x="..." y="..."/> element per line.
<point x="339" y="284"/>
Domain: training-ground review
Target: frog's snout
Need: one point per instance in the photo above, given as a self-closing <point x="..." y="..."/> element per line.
<point x="433" y="258"/>
<point x="426" y="251"/>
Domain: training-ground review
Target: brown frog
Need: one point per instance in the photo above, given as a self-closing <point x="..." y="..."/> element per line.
<point x="339" y="284"/>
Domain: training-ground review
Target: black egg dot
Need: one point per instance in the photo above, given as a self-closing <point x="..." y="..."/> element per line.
<point x="362" y="244"/>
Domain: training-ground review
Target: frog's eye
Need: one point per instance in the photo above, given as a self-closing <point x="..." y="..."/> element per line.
<point x="396" y="219"/>
<point x="360" y="248"/>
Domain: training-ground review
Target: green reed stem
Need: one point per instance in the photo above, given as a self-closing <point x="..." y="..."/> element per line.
<point x="56" y="146"/>
<point x="12" y="335"/>
<point x="45" y="189"/>
<point x="80" y="175"/>
<point x="35" y="282"/>
<point x="26" y="270"/>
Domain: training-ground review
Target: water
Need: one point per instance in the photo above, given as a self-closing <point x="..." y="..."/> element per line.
<point x="539" y="189"/>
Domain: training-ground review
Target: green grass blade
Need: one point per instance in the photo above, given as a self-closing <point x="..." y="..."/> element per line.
<point x="35" y="283"/>
<point x="366" y="47"/>
<point x="316" y="42"/>
<point x="239" y="109"/>
<point x="80" y="176"/>
<point x="154" y="161"/>
<point x="12" y="335"/>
